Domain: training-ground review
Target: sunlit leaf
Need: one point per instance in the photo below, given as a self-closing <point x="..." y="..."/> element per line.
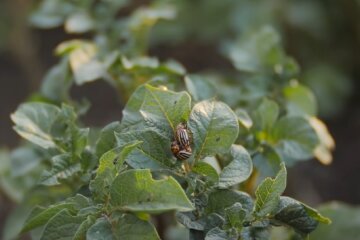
<point x="79" y="22"/>
<point x="268" y="193"/>
<point x="33" y="121"/>
<point x="214" y="127"/>
<point x="244" y="118"/>
<point x="165" y="109"/>
<point x="326" y="142"/>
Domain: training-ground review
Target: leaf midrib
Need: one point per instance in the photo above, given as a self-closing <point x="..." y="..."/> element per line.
<point x="162" y="109"/>
<point x="207" y="132"/>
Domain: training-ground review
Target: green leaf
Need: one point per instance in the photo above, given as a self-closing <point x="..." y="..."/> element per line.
<point x="67" y="135"/>
<point x="300" y="100"/>
<point x="345" y="222"/>
<point x="63" y="226"/>
<point x="214" y="127"/>
<point x="57" y="82"/>
<point x="214" y="220"/>
<point x="219" y="200"/>
<point x="313" y="213"/>
<point x="124" y="227"/>
<point x="62" y="168"/>
<point x="40" y="216"/>
<point x="190" y="221"/>
<point x="165" y="109"/>
<point x="199" y="87"/>
<point x="24" y="160"/>
<point x="79" y="139"/>
<point x="144" y="18"/>
<point x="258" y="233"/>
<point x="79" y="201"/>
<point x="235" y="215"/>
<point x="101" y="230"/>
<point x="244" y="118"/>
<point x="33" y="121"/>
<point x="268" y="193"/>
<point x="126" y="151"/>
<point x="15" y="183"/>
<point x="105" y="175"/>
<point x="295" y="214"/>
<point x="131" y="112"/>
<point x="83" y="60"/>
<point x="68" y="46"/>
<point x="266" y="115"/>
<point x="268" y="161"/>
<point x="108" y="168"/>
<point x="153" y="153"/>
<point x="217" y="234"/>
<point x="49" y="14"/>
<point x="107" y="140"/>
<point x="206" y="170"/>
<point x="238" y="170"/>
<point x="84" y="227"/>
<point x="130" y="227"/>
<point x="253" y="52"/>
<point x="79" y="22"/>
<point x="136" y="191"/>
<point x="294" y="138"/>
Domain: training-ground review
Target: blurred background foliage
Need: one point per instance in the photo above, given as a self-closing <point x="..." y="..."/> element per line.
<point x="255" y="37"/>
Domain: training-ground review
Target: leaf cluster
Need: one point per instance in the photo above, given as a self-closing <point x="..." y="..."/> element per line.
<point x="111" y="183"/>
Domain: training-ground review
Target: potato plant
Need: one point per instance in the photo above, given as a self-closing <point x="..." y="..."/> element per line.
<point x="246" y="126"/>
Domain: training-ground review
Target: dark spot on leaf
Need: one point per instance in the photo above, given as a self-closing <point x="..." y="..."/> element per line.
<point x="217" y="139"/>
<point x="175" y="102"/>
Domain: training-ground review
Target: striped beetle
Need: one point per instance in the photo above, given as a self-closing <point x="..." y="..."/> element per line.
<point x="182" y="136"/>
<point x="183" y="154"/>
<point x="180" y="153"/>
<point x="181" y="146"/>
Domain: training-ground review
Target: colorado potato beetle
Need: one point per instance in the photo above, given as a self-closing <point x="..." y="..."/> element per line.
<point x="182" y="136"/>
<point x="180" y="147"/>
<point x="175" y="148"/>
<point x="183" y="154"/>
